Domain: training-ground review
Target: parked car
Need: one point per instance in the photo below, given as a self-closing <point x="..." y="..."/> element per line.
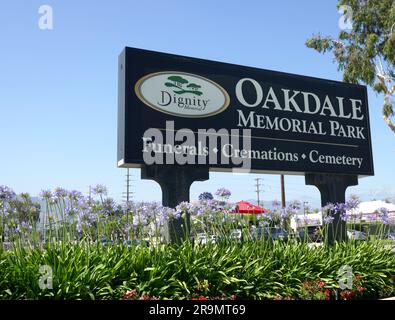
<point x="272" y="233"/>
<point x="136" y="242"/>
<point x="390" y="236"/>
<point x="279" y="234"/>
<point x="356" y="235"/>
<point x="105" y="242"/>
<point x="312" y="234"/>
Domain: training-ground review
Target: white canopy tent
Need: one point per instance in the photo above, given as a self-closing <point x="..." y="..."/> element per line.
<point x="369" y="207"/>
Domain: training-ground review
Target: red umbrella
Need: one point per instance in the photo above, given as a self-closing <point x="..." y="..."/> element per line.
<point x="246" y="207"/>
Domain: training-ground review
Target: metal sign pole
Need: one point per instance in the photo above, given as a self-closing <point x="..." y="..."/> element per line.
<point x="333" y="189"/>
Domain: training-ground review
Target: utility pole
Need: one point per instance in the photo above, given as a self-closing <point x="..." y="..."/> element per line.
<point x="258" y="190"/>
<point x="128" y="193"/>
<point x="282" y="191"/>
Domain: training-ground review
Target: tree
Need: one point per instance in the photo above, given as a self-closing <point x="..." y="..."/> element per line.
<point x="178" y="81"/>
<point x="366" y="52"/>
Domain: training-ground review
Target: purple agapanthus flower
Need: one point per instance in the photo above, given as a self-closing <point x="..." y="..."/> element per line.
<point x="328" y="219"/>
<point x="75" y="195"/>
<point x="109" y="206"/>
<point x="206" y="196"/>
<point x="60" y="193"/>
<point x="340" y="207"/>
<point x="175" y="215"/>
<point x="46" y="194"/>
<point x="276" y="204"/>
<point x="352" y="203"/>
<point x="284" y="214"/>
<point x="70" y="210"/>
<point x="92" y="217"/>
<point x="162" y="215"/>
<point x="6" y="193"/>
<point x="99" y="190"/>
<point x="329" y="207"/>
<point x="183" y="207"/>
<point x="345" y="209"/>
<point x="223" y="193"/>
<point x="199" y="210"/>
<point x="130" y="206"/>
<point x="383" y="214"/>
<point x="344" y="216"/>
<point x="24" y="227"/>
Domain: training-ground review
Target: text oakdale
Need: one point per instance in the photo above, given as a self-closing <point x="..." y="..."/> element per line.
<point x="301" y="102"/>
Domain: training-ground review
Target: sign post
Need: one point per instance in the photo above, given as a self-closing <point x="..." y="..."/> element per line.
<point x="333" y="190"/>
<point x="175" y="182"/>
<point x="181" y="117"/>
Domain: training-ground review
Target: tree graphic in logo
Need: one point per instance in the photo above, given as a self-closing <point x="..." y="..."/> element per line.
<point x="178" y="82"/>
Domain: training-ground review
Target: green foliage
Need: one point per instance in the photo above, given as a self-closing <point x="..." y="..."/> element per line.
<point x="366" y="54"/>
<point x="249" y="270"/>
<point x="178" y="79"/>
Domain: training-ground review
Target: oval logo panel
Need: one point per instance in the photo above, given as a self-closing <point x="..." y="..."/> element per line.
<point x="182" y="94"/>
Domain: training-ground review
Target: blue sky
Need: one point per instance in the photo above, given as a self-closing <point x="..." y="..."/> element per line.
<point x="58" y="88"/>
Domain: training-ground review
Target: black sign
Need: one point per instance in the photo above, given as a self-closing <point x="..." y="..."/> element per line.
<point x="228" y="116"/>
